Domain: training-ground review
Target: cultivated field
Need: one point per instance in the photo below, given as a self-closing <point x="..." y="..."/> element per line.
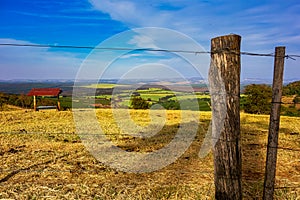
<point x="43" y="158"/>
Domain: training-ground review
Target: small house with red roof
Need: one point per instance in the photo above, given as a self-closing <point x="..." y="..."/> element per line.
<point x="48" y="92"/>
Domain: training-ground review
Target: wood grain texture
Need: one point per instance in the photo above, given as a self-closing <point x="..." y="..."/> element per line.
<point x="274" y="124"/>
<point x="227" y="151"/>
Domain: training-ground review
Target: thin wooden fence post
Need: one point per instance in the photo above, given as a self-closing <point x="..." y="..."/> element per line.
<point x="34" y="103"/>
<point x="227" y="150"/>
<point x="270" y="172"/>
<point x="58" y="103"/>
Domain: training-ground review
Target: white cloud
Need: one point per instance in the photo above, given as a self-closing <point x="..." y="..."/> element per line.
<point x="204" y="21"/>
<point x="143" y="41"/>
<point x="131" y="55"/>
<point x="80" y="17"/>
<point x="133" y="13"/>
<point x="262" y="25"/>
<point x="36" y="63"/>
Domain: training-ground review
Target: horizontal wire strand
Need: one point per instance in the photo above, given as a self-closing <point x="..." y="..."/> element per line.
<point x="292" y="56"/>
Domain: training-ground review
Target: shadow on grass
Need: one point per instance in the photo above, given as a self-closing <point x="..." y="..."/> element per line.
<point x="13" y="173"/>
<point x="188" y="177"/>
<point x="253" y="158"/>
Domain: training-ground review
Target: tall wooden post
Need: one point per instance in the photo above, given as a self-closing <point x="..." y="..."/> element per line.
<point x="34" y="103"/>
<point x="227" y="151"/>
<point x="274" y="124"/>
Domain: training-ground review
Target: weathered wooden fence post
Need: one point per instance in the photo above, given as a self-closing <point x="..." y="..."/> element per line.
<point x="225" y="55"/>
<point x="58" y="103"/>
<point x="274" y="124"/>
<point x="34" y="103"/>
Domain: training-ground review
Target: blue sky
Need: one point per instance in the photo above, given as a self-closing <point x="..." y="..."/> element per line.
<point x="262" y="25"/>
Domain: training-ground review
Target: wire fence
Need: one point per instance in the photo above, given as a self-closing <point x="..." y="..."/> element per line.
<point x="258" y="145"/>
<point x="288" y="56"/>
<point x="12" y="172"/>
<point x="43" y="168"/>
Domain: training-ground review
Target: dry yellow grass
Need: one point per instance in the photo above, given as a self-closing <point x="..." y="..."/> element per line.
<point x="43" y="158"/>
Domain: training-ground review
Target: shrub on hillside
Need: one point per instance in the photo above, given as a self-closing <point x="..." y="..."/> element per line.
<point x="292" y="88"/>
<point x="258" y="99"/>
<point x="138" y="102"/>
<point x="291" y="111"/>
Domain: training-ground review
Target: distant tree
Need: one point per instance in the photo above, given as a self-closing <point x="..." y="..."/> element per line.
<point x="139" y="103"/>
<point x="16" y="100"/>
<point x="166" y="98"/>
<point x="258" y="99"/>
<point x="171" y="104"/>
<point x="290" y="111"/>
<point x="136" y="94"/>
<point x="46" y="101"/>
<point x="1" y="101"/>
<point x="22" y="99"/>
<point x="292" y="88"/>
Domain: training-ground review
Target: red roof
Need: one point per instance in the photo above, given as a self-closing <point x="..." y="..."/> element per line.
<point x="44" y="92"/>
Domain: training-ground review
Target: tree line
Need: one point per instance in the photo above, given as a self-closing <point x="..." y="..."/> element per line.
<point x="23" y="101"/>
<point x="258" y="97"/>
<point x="256" y="100"/>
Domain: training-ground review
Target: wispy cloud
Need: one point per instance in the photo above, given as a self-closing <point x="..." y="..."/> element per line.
<point x="126" y="56"/>
<point x="143" y="41"/>
<point x="262" y="25"/>
<point x="259" y="24"/>
<point x="133" y="13"/>
<point x="81" y="17"/>
<point x="30" y="63"/>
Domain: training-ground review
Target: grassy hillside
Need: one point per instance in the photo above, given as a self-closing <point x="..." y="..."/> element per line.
<point x="42" y="157"/>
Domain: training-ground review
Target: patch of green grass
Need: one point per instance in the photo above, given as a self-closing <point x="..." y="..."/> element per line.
<point x="101" y="85"/>
<point x="105" y="96"/>
<point x="153" y="97"/>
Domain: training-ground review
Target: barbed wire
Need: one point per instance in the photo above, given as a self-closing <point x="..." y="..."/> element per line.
<point x="24" y="132"/>
<point x="292" y="56"/>
<point x="80" y="169"/>
<point x="45" y="167"/>
<point x="12" y="172"/>
<point x="287" y="187"/>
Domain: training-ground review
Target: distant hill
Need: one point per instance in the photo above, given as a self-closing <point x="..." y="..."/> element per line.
<point x="24" y="86"/>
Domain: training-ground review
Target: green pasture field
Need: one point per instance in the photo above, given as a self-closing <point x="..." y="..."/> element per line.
<point x="152" y="94"/>
<point x="101" y="85"/>
<point x="153" y="97"/>
<point x="103" y="96"/>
